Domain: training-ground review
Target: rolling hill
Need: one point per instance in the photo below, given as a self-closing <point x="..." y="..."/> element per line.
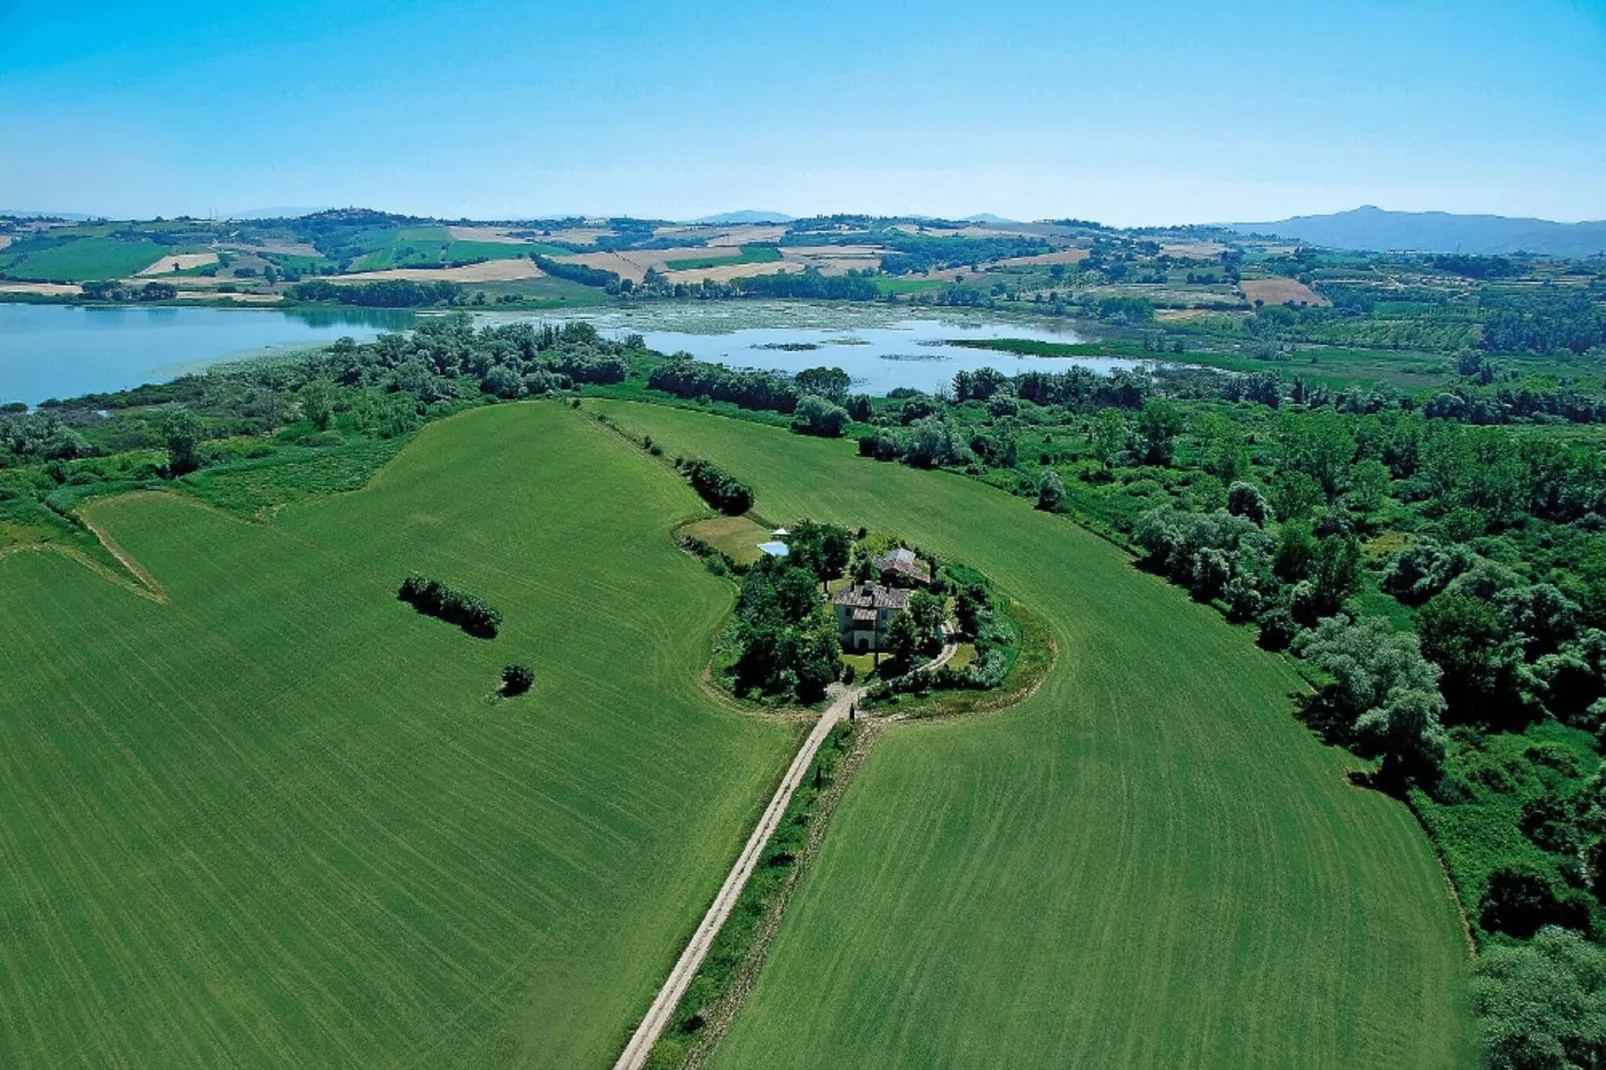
<point x="1380" y="230"/>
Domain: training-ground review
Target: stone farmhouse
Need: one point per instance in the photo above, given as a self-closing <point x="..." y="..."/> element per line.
<point x="863" y="612"/>
<point x="901" y="568"/>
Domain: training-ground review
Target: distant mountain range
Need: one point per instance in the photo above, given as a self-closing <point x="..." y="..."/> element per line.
<point x="747" y="215"/>
<point x="1378" y="230"/>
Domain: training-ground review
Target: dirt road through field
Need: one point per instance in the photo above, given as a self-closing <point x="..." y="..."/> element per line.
<point x="691" y="960"/>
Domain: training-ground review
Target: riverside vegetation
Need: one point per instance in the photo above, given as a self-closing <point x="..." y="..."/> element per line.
<point x="1433" y="557"/>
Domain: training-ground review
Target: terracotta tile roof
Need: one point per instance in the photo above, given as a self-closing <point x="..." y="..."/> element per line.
<point x="872" y="596"/>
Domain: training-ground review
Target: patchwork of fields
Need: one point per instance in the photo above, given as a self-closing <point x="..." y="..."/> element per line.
<point x="1149" y="863"/>
<point x="277" y="821"/>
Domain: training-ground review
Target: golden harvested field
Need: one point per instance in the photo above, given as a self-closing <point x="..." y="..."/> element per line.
<point x="632" y="264"/>
<point x="493" y="234"/>
<point x="752" y="235"/>
<point x="52" y="289"/>
<point x="5" y="240"/>
<point x="245" y="299"/>
<point x="579" y="235"/>
<point x="283" y="248"/>
<point x="1281" y="292"/>
<point x="719" y="236"/>
<point x="614" y="262"/>
<point x="727" y="272"/>
<point x="1182" y="315"/>
<point x="183" y="261"/>
<point x="488" y="271"/>
<point x="974" y="230"/>
<point x="835" y="252"/>
<point x="1201" y="250"/>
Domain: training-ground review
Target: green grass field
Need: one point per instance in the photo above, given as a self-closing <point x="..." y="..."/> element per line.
<point x="82" y="260"/>
<point x="888" y="285"/>
<point x="1148" y="863"/>
<point x="278" y="821"/>
<point x="545" y="292"/>
<point x="498" y="250"/>
<point x="750" y="254"/>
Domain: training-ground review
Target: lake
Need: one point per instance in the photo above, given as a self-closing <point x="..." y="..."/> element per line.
<point x="881" y="349"/>
<point x="61" y="351"/>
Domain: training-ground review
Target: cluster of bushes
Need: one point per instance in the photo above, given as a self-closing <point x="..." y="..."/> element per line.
<point x="435" y="599"/>
<point x="811" y="398"/>
<point x="687" y="378"/>
<point x="444" y="358"/>
<point x="719" y="562"/>
<point x="976" y="619"/>
<point x="27" y="438"/>
<point x="717" y="487"/>
<point x="1543" y="322"/>
<point x="815" y="415"/>
<point x="385" y="293"/>
<point x="1085" y="391"/>
<point x="786" y="638"/>
<point x="930" y="442"/>
<point x="1219" y="555"/>
<point x="926" y="252"/>
<point x="112" y="290"/>
<point x="567" y="269"/>
<point x="806" y="285"/>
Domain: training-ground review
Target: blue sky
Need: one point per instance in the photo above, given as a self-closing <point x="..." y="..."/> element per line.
<point x="1127" y="113"/>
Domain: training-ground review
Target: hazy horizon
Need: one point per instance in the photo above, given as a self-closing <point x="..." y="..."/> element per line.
<point x="1155" y="114"/>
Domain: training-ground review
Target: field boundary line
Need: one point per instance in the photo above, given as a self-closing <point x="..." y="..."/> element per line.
<point x="108" y="574"/>
<point x="1444" y="871"/>
<point x="152" y="587"/>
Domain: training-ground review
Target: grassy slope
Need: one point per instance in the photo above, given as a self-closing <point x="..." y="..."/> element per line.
<point x="83" y="260"/>
<point x="1150" y="863"/>
<point x="275" y="822"/>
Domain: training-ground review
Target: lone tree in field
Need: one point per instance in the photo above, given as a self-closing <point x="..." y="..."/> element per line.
<point x="182" y="432"/>
<point x="517" y="679"/>
<point x="1050" y="490"/>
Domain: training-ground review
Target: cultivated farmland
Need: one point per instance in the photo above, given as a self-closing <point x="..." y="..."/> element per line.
<point x="1281" y="292"/>
<point x="278" y="819"/>
<point x="81" y="259"/>
<point x="1149" y="863"/>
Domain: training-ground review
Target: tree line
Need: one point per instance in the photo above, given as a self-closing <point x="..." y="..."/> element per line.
<point x="433" y="598"/>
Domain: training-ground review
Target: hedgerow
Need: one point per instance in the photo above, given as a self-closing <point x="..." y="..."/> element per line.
<point x="434" y="598"/>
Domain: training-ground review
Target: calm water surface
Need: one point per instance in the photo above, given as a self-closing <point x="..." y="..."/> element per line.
<point x="62" y="351"/>
<point x="880" y="349"/>
<point x="912" y="353"/>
